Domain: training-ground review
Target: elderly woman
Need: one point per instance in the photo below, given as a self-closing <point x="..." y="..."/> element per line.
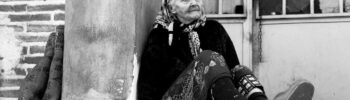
<point x="187" y="57"/>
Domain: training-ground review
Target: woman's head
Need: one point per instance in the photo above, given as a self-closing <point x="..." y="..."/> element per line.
<point x="186" y="11"/>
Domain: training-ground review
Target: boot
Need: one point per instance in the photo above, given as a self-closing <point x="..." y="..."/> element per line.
<point x="300" y="90"/>
<point x="247" y="84"/>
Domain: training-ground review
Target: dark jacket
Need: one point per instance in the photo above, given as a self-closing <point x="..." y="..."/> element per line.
<point x="162" y="63"/>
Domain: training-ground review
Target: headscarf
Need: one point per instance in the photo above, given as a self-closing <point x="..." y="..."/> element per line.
<point x="166" y="19"/>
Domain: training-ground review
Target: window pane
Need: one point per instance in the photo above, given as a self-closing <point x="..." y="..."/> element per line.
<point x="211" y="6"/>
<point x="298" y="7"/>
<point x="270" y="7"/>
<point x="232" y="6"/>
<point x="346" y="5"/>
<point x="328" y="6"/>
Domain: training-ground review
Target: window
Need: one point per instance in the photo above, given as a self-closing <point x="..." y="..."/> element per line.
<point x="232" y="6"/>
<point x="211" y="6"/>
<point x="329" y="6"/>
<point x="298" y="6"/>
<point x="347" y="6"/>
<point x="295" y="7"/>
<point x="224" y="7"/>
<point x="270" y="7"/>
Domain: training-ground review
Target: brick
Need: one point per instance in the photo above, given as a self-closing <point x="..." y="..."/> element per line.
<point x="34" y="17"/>
<point x="33" y="38"/>
<point x="37" y="49"/>
<point x="29" y="70"/>
<point x="17" y="28"/>
<point x="59" y="16"/>
<point x="20" y="71"/>
<point x="31" y="60"/>
<point x="24" y="50"/>
<point x="46" y="7"/>
<point x="12" y="8"/>
<point x="10" y="93"/>
<point x="41" y="28"/>
<point x="10" y="82"/>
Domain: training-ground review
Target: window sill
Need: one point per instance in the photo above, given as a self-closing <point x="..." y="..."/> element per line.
<point x="303" y="16"/>
<point x="225" y="16"/>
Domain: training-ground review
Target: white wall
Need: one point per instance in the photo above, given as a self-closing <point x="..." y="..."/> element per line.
<point x="235" y="31"/>
<point x="313" y="49"/>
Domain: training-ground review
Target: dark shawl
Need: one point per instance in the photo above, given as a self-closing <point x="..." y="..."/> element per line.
<point x="162" y="63"/>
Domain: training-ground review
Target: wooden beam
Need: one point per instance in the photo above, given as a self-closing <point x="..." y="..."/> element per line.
<point x="220" y="7"/>
<point x="341" y="6"/>
<point x="312" y="6"/>
<point x="284" y="7"/>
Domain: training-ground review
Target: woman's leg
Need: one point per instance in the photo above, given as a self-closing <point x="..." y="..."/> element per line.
<point x="247" y="84"/>
<point x="224" y="89"/>
<point x="195" y="81"/>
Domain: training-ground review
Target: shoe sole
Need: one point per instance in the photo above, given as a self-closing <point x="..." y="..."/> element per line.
<point x="304" y="91"/>
<point x="300" y="90"/>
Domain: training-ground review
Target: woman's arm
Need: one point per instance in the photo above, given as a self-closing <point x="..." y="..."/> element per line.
<point x="151" y="60"/>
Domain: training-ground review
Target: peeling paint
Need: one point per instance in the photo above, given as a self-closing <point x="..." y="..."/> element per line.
<point x="95" y="95"/>
<point x="98" y="49"/>
<point x="10" y="51"/>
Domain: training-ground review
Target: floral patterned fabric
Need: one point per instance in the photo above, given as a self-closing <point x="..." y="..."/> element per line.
<point x="196" y="79"/>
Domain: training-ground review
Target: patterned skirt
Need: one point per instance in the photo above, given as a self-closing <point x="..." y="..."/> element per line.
<point x="195" y="81"/>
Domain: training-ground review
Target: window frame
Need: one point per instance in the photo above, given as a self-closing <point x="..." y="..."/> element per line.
<point x="221" y="15"/>
<point x="312" y="14"/>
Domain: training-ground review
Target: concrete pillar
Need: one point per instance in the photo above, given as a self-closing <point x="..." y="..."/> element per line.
<point x="99" y="49"/>
<point x="146" y="12"/>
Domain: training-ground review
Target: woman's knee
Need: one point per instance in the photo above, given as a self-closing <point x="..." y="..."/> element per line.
<point x="211" y="58"/>
<point x="212" y="64"/>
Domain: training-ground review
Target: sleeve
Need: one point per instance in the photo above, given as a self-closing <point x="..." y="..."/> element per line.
<point x="151" y="57"/>
<point x="229" y="51"/>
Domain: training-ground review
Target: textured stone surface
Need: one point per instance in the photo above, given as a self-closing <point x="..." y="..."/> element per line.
<point x="98" y="49"/>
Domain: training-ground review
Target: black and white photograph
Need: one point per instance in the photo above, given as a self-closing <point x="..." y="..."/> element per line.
<point x="174" y="49"/>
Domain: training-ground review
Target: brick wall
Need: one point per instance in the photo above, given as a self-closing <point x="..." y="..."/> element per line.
<point x="24" y="29"/>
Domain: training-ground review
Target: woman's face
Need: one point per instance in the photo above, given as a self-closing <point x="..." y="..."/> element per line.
<point x="187" y="10"/>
